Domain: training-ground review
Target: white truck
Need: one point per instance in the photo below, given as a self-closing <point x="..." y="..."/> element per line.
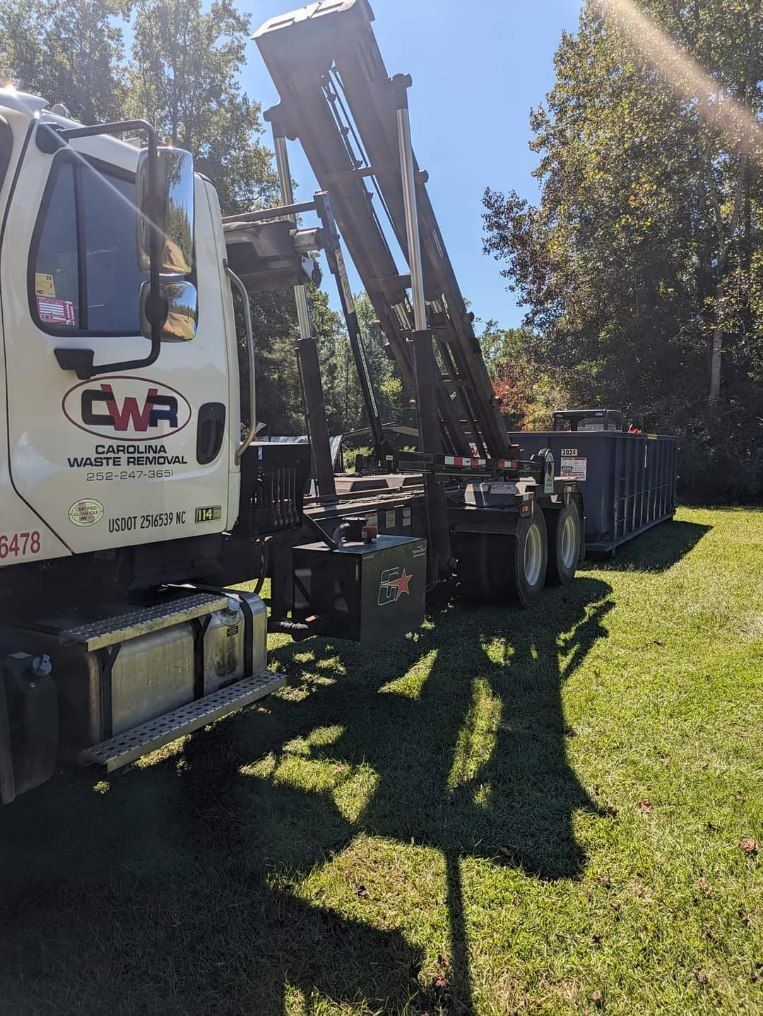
<point x="133" y="493"/>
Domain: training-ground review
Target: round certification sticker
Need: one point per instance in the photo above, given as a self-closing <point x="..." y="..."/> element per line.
<point x="86" y="512"/>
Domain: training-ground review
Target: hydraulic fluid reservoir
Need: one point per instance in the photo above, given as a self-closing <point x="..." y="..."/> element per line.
<point x="235" y="641"/>
<point x="28" y="723"/>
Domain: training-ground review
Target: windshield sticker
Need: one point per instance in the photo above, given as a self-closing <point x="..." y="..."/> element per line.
<point x="55" y="311"/>
<point x="44" y="285"/>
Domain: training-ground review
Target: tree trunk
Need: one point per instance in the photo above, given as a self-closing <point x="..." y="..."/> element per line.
<point x="715" y="362"/>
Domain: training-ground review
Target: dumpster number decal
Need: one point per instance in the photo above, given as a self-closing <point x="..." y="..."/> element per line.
<point x="574" y="466"/>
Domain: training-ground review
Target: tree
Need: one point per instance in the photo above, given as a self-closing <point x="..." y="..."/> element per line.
<point x="641" y="264"/>
<point x="526" y="392"/>
<point x="69" y="51"/>
<point x="341" y="386"/>
<point x="184" y="78"/>
<point x="393" y="398"/>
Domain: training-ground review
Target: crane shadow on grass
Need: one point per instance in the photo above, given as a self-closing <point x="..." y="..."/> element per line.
<point x="190" y="886"/>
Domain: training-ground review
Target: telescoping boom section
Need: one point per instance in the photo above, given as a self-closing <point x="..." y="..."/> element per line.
<point x="338" y="100"/>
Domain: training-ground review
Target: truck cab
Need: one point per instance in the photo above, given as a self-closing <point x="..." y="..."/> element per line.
<point x="120" y="447"/>
<point x="104" y="446"/>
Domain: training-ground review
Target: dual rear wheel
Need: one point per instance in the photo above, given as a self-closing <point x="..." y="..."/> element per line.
<point x="544" y="551"/>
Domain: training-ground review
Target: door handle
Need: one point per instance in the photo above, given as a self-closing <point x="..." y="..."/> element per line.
<point x="210" y="432"/>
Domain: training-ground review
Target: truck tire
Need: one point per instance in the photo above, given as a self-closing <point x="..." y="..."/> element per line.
<point x="528" y="561"/>
<point x="564" y="540"/>
<point x="500" y="569"/>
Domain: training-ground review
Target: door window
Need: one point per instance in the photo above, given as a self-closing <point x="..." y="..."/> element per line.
<point x="6" y="147"/>
<point x="84" y="274"/>
<point x="56" y="268"/>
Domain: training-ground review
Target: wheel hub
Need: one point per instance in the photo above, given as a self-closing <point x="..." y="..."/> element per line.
<point x="533" y="558"/>
<point x="569" y="541"/>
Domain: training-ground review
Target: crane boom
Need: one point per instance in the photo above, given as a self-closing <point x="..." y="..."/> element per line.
<point x="338" y="100"/>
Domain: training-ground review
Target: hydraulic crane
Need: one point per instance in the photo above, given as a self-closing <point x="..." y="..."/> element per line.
<point x="352" y="121"/>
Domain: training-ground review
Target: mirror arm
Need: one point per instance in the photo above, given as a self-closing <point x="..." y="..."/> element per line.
<point x="252" y="431"/>
<point x="81" y="360"/>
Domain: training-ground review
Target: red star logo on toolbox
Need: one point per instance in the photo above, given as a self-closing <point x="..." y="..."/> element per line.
<point x="393" y="584"/>
<point x="402" y="584"/>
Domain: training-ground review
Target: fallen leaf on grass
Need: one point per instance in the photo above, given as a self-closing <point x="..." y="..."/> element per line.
<point x="440" y="980"/>
<point x="511" y="854"/>
<point x="749" y="845"/>
<point x="645" y="805"/>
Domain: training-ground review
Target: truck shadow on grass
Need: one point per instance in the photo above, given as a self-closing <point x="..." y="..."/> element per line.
<point x="656" y="549"/>
<point x="178" y="889"/>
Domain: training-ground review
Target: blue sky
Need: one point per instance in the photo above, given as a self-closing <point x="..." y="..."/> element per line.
<point x="478" y="67"/>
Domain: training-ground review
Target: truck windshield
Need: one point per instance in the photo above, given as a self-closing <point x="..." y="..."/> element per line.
<point x="84" y="274"/>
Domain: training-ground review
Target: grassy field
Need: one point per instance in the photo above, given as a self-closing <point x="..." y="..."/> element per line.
<point x="550" y="812"/>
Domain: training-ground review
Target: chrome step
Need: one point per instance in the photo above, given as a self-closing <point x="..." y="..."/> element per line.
<point x="141" y="621"/>
<point x="124" y="748"/>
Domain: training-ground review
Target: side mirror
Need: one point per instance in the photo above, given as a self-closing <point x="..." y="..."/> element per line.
<point x="179" y="310"/>
<point x="170" y="210"/>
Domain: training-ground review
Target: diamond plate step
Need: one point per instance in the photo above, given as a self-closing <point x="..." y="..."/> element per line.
<point x="124" y="748"/>
<point x="141" y="621"/>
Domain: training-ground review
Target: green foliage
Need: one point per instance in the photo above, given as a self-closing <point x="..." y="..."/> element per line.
<point x="641" y="264"/>
<point x="70" y="51"/>
<point x="344" y="403"/>
<point x="392" y="396"/>
<point x="528" y="393"/>
<point x="184" y="78"/>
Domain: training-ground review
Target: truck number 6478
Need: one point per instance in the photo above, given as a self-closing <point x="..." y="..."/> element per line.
<point x="19" y="544"/>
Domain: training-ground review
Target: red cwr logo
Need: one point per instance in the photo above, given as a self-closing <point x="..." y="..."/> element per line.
<point x="155" y="408"/>
<point x="134" y="408"/>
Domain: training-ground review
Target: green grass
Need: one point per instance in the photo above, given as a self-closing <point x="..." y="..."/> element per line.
<point x="536" y="812"/>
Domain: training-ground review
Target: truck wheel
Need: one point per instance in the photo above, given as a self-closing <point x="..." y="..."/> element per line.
<point x="564" y="536"/>
<point x="528" y="560"/>
<point x="500" y="569"/>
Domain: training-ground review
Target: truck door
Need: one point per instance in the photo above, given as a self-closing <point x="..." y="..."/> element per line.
<point x="126" y="457"/>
